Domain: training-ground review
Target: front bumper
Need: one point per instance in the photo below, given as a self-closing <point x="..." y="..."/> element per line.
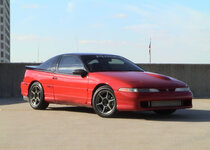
<point x="130" y="101"/>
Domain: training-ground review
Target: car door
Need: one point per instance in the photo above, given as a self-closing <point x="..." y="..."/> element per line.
<point x="70" y="88"/>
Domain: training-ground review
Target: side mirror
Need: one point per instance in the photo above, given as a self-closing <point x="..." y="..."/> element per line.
<point x="81" y="72"/>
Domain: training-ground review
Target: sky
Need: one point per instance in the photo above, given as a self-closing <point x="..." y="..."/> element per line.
<point x="179" y="29"/>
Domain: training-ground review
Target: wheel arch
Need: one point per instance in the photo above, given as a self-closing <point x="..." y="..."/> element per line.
<point x="32" y="84"/>
<point x="96" y="87"/>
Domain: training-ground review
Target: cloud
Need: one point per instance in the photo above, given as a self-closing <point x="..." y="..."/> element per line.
<point x="31" y="6"/>
<point x="138" y="10"/>
<point x="98" y="25"/>
<point x="176" y="30"/>
<point x="95" y="42"/>
<point x="108" y="43"/>
<point x="120" y="16"/>
<point x="140" y="27"/>
<point x="172" y="20"/>
<point x="29" y="37"/>
<point x="70" y="6"/>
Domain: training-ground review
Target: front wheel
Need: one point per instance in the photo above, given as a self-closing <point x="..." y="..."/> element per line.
<point x="165" y="112"/>
<point x="36" y="96"/>
<point x="104" y="102"/>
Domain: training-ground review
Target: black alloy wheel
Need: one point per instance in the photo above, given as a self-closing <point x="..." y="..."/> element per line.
<point x="104" y="102"/>
<point x="36" y="96"/>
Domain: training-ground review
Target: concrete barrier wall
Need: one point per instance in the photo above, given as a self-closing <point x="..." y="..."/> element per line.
<point x="11" y="75"/>
<point x="197" y="76"/>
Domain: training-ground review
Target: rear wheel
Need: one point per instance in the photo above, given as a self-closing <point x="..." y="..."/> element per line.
<point x="104" y="102"/>
<point x="36" y="96"/>
<point x="165" y="112"/>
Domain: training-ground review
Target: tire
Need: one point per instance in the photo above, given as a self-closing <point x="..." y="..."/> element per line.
<point x="36" y="97"/>
<point x="165" y="112"/>
<point x="104" y="102"/>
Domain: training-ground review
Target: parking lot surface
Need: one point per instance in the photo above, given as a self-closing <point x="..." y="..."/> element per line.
<point x="63" y="127"/>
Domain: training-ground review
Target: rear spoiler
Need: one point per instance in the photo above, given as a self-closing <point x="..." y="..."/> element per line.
<point x="32" y="67"/>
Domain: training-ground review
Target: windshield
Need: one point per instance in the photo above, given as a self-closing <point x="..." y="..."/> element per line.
<point x="100" y="63"/>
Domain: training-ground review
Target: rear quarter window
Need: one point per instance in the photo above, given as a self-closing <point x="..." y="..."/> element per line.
<point x="50" y="64"/>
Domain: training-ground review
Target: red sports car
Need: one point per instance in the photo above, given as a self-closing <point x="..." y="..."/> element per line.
<point x="105" y="82"/>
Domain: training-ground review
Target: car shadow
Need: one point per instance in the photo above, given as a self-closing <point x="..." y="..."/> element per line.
<point x="11" y="101"/>
<point x="186" y="115"/>
<point x="72" y="109"/>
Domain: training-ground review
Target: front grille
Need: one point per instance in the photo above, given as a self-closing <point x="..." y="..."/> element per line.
<point x="171" y="103"/>
<point x="187" y="102"/>
<point x="165" y="103"/>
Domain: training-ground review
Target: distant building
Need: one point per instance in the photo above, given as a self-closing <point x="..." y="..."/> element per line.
<point x="4" y="31"/>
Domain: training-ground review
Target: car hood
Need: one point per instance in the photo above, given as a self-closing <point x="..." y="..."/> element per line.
<point x="140" y="79"/>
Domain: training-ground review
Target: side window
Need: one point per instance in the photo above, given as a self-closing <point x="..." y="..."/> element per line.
<point x="69" y="63"/>
<point x="49" y="65"/>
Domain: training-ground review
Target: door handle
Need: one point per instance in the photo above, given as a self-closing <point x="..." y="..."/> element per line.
<point x="55" y="78"/>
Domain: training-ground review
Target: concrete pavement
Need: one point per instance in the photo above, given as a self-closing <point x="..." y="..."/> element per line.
<point x="62" y="127"/>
